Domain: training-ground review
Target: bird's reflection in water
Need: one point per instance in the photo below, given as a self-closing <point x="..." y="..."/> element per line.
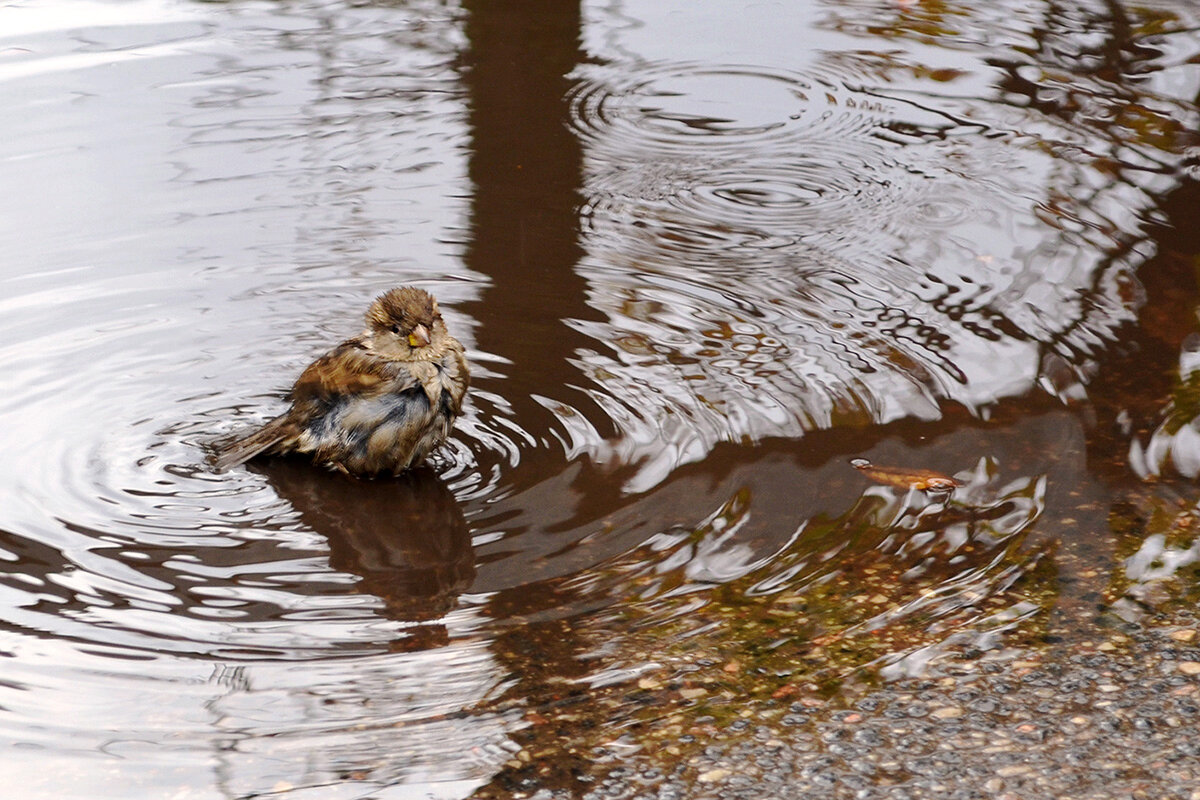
<point x="405" y="537"/>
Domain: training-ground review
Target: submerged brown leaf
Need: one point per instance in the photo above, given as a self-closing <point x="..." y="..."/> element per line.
<point x="905" y="478"/>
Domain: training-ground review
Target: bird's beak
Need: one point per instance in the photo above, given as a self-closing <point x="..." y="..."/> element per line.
<point x="419" y="337"/>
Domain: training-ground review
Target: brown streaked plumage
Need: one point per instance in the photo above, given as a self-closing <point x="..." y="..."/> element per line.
<point x="375" y="404"/>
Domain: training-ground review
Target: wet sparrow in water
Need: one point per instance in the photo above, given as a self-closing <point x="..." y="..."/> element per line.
<point x="377" y="403"/>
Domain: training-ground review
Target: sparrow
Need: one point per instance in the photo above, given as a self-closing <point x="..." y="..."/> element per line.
<point x="378" y="403"/>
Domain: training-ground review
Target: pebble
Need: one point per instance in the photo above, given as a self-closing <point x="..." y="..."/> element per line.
<point x="713" y="775"/>
<point x="947" y="712"/>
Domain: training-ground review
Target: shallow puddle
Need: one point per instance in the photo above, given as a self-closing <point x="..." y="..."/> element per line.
<point x="703" y="257"/>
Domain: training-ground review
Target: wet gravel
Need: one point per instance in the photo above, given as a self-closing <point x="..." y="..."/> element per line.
<point x="1117" y="718"/>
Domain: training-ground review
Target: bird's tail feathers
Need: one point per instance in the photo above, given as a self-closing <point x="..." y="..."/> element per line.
<point x="241" y="450"/>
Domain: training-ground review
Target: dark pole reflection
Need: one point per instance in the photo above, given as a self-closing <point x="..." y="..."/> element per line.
<point x="526" y="167"/>
<point x="406" y="539"/>
<point x="526" y="170"/>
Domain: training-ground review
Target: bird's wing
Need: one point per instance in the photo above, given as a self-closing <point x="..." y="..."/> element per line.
<point x="455" y="365"/>
<point x="348" y="370"/>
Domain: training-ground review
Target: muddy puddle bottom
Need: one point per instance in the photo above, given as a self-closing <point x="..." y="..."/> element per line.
<point x="705" y="260"/>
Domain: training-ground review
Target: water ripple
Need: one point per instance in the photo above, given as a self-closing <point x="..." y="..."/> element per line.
<point x="731" y="108"/>
<point x="762" y="254"/>
<point x="894" y="574"/>
<point x="778" y="252"/>
<point x="132" y="541"/>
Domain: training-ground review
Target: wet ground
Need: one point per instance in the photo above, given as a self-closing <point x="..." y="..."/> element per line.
<point x="705" y="259"/>
<point x="1077" y="723"/>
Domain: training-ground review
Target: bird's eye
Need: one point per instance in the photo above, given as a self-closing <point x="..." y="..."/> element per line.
<point x="396" y="329"/>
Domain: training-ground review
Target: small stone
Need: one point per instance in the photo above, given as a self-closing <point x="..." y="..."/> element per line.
<point x="693" y="693"/>
<point x="1189" y="667"/>
<point x="1013" y="771"/>
<point x="946" y="712"/>
<point x="713" y="775"/>
<point x="648" y="683"/>
<point x="1185" y="635"/>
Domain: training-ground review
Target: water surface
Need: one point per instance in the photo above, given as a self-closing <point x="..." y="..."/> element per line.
<point x="701" y="257"/>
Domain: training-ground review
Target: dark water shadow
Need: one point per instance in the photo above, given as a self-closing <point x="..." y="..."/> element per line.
<point x="405" y="538"/>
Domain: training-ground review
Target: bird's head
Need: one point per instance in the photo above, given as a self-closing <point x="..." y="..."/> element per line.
<point x="405" y="324"/>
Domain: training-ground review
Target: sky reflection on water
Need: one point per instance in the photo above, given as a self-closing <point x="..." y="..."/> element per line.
<point x="701" y="258"/>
